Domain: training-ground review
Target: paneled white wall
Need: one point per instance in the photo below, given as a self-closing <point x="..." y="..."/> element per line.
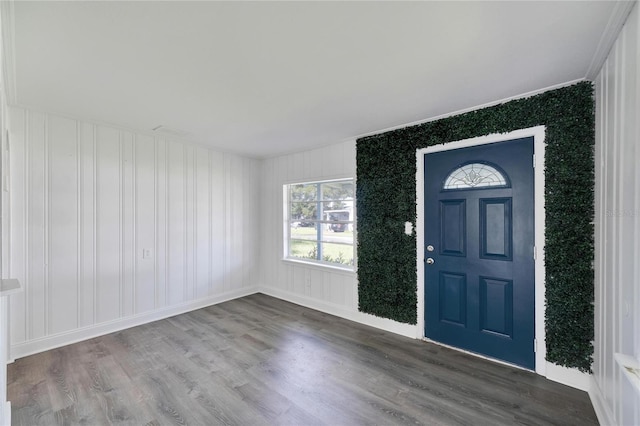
<point x="329" y="290"/>
<point x="87" y="201"/>
<point x="617" y="268"/>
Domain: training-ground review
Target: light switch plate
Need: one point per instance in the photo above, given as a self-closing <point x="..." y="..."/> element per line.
<point x="408" y="228"/>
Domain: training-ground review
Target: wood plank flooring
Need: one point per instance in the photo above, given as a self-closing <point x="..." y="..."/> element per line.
<point x="263" y="361"/>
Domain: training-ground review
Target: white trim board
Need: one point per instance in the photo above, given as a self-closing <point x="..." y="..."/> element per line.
<point x="470" y="109"/>
<point x="385" y="324"/>
<point x="600" y="406"/>
<point x="538" y="133"/>
<point x="7" y="18"/>
<point x="63" y="339"/>
<point x="618" y="18"/>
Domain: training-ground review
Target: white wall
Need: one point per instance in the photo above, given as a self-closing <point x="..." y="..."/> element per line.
<point x="5" y="406"/>
<point x="85" y="200"/>
<point x="325" y="289"/>
<point x="617" y="284"/>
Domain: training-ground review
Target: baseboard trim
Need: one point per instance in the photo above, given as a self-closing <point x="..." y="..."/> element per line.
<point x="385" y="324"/>
<point x="599" y="406"/>
<point x="568" y="376"/>
<point x="62" y="339"/>
<point x="7" y="413"/>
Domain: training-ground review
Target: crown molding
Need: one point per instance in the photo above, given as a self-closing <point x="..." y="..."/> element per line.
<point x="7" y="18"/>
<point x="618" y="17"/>
<point x="469" y="109"/>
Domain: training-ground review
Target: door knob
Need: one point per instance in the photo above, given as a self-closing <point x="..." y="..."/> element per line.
<point x="430" y="261"/>
<point x="429" y="247"/>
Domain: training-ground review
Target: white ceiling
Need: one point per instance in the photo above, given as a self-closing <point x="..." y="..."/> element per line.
<point x="263" y="78"/>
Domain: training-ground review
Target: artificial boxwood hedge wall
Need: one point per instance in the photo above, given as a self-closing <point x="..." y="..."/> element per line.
<point x="386" y="199"/>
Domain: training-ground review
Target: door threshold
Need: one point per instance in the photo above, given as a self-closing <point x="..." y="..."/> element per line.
<point x="495" y="360"/>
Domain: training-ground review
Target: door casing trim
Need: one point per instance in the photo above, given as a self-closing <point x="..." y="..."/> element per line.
<point x="538" y="134"/>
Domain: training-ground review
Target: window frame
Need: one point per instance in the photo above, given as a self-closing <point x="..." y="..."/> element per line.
<point x="288" y="220"/>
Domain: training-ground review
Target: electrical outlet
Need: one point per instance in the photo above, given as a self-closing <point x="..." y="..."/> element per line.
<point x="146" y="253"/>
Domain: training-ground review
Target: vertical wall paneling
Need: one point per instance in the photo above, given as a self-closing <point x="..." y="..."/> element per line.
<point x="160" y="233"/>
<point x="202" y="222"/>
<point x="610" y="300"/>
<point x="629" y="337"/>
<point x="628" y="167"/>
<point x="47" y="227"/>
<point x="95" y="223"/>
<point x="236" y="202"/>
<point x="235" y="228"/>
<point x="145" y="251"/>
<point x="79" y="220"/>
<point x="86" y="243"/>
<point x="108" y="207"/>
<point x="63" y="248"/>
<point x="247" y="245"/>
<point x="210" y="258"/>
<point x="599" y="205"/>
<point x="619" y="87"/>
<point x="313" y="167"/>
<point x="217" y="215"/>
<point x="109" y="228"/>
<point x="127" y="230"/>
<point x="189" y="223"/>
<point x="636" y="249"/>
<point x="35" y="214"/>
<point x="176" y="240"/>
<point x="228" y="222"/>
<point x="617" y="301"/>
<point x="17" y="252"/>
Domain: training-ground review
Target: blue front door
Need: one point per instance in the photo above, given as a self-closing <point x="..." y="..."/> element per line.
<point x="479" y="254"/>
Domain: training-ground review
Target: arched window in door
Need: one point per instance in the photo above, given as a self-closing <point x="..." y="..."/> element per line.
<point x="476" y="175"/>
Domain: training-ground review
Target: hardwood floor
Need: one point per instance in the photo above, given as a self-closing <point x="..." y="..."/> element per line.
<point x="260" y="360"/>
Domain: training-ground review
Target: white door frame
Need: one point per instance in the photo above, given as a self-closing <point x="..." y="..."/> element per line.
<point x="538" y="134"/>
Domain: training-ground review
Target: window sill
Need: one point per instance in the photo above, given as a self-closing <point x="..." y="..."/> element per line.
<point x="9" y="286"/>
<point x="630" y="368"/>
<point x="321" y="266"/>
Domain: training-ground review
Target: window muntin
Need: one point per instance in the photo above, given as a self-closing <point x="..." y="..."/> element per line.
<point x="475" y="175"/>
<point x="320" y="222"/>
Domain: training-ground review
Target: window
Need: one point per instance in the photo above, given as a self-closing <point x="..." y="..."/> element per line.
<point x="475" y="175"/>
<point x="319" y="224"/>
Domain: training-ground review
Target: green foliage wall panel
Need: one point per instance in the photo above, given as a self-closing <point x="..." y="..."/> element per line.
<point x="386" y="198"/>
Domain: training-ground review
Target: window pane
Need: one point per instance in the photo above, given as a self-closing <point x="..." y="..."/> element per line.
<point x="337" y="190"/>
<point x="338" y="237"/>
<point x="337" y="211"/>
<point x="303" y="211"/>
<point x="303" y="232"/>
<point x="337" y="253"/>
<point x="303" y="192"/>
<point x="303" y="249"/>
<point x="339" y="221"/>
